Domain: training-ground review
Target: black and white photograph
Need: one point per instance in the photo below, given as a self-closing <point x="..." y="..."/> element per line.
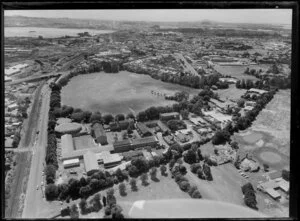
<point x="147" y="112"/>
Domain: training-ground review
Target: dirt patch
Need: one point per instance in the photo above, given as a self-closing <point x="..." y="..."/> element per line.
<point x="250" y="147"/>
<point x="260" y="143"/>
<point x="270" y="157"/>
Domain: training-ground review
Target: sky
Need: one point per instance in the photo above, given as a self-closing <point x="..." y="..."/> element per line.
<point x="266" y="16"/>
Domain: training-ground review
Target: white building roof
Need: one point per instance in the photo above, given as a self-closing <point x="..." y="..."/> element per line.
<point x="255" y="90"/>
<point x="90" y="161"/>
<point x="67" y="144"/>
<point x="72" y="161"/>
<point x="284" y="185"/>
<point x="273" y="193"/>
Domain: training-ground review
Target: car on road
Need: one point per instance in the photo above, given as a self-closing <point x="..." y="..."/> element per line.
<point x="37" y="187"/>
<point x="43" y="173"/>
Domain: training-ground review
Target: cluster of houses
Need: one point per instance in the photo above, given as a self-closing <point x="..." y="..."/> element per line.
<point x="92" y="147"/>
<point x="16" y="69"/>
<point x="12" y="121"/>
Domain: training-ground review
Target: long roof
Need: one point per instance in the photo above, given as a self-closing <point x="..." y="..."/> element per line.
<point x="169" y="114"/>
<point x="144" y="140"/>
<point x="162" y="126"/>
<point x="143" y="128"/>
<point x="98" y="130"/>
<point x="90" y="161"/>
<point x="67" y="144"/>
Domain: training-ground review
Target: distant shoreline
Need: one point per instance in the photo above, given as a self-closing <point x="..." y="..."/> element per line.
<point x="29" y="26"/>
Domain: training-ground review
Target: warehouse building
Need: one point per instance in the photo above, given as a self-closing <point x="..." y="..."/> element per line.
<point x="99" y="134"/>
<point x="67" y="145"/>
<point x="71" y="163"/>
<point x="169" y="116"/>
<point x="109" y="160"/>
<point x="90" y="162"/>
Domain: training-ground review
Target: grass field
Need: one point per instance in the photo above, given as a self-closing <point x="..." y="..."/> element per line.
<point x="118" y="93"/>
<point x="238" y="71"/>
<point x="165" y="188"/>
<point x="226" y="184"/>
<point x="232" y="93"/>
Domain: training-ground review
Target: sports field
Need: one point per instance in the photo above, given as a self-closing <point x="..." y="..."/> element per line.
<point x="238" y="71"/>
<point x="118" y="93"/>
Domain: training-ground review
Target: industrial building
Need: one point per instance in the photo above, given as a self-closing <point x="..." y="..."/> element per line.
<point x="90" y="162"/>
<point x="67" y="145"/>
<point x="99" y="134"/>
<point x="109" y="160"/>
<point x="169" y="116"/>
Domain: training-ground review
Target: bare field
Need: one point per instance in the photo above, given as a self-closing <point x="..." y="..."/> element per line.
<point x="275" y="120"/>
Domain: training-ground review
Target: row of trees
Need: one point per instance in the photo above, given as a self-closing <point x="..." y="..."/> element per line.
<point x="203" y="172"/>
<point x="194" y="105"/>
<point x="249" y="196"/>
<point x="178" y="172"/>
<point x="242" y="123"/>
<point x="51" y="155"/>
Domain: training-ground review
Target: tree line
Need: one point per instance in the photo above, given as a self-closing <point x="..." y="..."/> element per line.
<point x="194" y="105"/>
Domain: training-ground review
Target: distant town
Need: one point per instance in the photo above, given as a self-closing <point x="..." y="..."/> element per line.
<point x="144" y="111"/>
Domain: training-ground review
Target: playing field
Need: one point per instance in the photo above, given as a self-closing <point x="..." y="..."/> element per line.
<point x="118" y="93"/>
<point x="238" y="71"/>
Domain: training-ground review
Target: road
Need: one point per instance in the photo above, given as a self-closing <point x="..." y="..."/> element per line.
<point x="33" y="78"/>
<point x="187" y="64"/>
<point x="34" y="198"/>
<point x="32" y="119"/>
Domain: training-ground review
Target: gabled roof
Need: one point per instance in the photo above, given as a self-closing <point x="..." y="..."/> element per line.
<point x="90" y="161"/>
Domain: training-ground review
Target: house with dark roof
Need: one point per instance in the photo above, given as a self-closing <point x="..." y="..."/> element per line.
<point x="99" y="134"/>
<point x="143" y="130"/>
<point x="122" y="146"/>
<point x="132" y="144"/>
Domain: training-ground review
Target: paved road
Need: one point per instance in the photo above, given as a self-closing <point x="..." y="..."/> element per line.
<point x="34" y="198"/>
<point x="187" y="64"/>
<point x="33" y="78"/>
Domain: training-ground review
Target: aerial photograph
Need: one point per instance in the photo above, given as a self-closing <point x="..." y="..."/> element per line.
<point x="147" y="113"/>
